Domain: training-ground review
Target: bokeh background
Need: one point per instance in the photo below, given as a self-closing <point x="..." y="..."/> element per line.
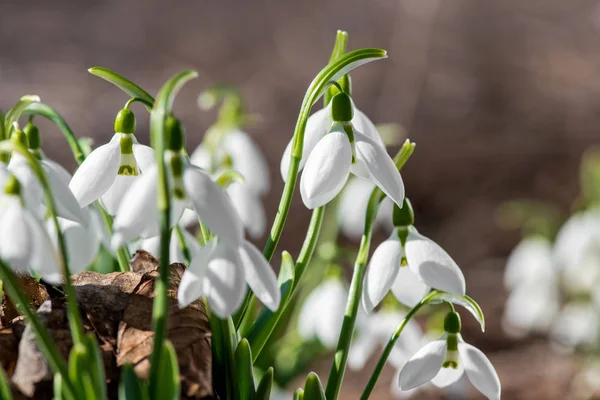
<point x="501" y="97"/>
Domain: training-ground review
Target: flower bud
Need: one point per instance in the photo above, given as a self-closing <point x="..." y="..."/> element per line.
<point x="125" y="122"/>
<point x="33" y="136"/>
<point x="341" y="108"/>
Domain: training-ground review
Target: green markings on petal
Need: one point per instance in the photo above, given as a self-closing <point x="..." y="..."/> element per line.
<point x="128" y="165"/>
<point x="175" y="162"/>
<point x="12" y="186"/>
<point x="452" y="358"/>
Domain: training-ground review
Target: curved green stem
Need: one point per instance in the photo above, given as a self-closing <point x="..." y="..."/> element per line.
<point x="44" y="340"/>
<point x="160" y="112"/>
<point x="145" y="102"/>
<point x="72" y="307"/>
<point x="123" y="83"/>
<point x="390" y="345"/>
<point x="338" y="368"/>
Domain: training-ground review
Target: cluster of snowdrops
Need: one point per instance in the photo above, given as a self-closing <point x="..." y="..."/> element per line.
<point x="126" y="195"/>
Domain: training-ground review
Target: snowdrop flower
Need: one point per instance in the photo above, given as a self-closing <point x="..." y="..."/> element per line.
<point x="24" y="242"/>
<point x="529" y="263"/>
<point x="190" y="187"/>
<point x="220" y="272"/>
<point x="580" y="232"/>
<point x="152" y="246"/>
<point x="318" y="125"/>
<point x="322" y="313"/>
<point x="343" y="150"/>
<point x="237" y="151"/>
<point x="409" y="264"/>
<point x="33" y="193"/>
<point x="576" y="325"/>
<point x="111" y="169"/>
<point x="353" y="205"/>
<point x="444" y="361"/>
<point x="374" y="333"/>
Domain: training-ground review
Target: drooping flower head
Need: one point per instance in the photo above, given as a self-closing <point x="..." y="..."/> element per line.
<point x="110" y="170"/>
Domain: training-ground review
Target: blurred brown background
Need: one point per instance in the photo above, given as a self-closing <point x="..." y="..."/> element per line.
<point x="501" y="97"/>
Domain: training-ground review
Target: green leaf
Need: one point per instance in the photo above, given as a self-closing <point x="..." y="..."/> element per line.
<point x="96" y="366"/>
<point x="168" y="371"/>
<point x="122" y="83"/>
<point x="313" y="389"/>
<point x="245" y="376"/>
<point x="14" y="113"/>
<point x="263" y="392"/>
<point x="2" y="130"/>
<point x="5" y="392"/>
<point x="78" y="372"/>
<point x="58" y="387"/>
<point x="299" y="395"/>
<point x="267" y="320"/>
<point x="464" y="301"/>
<point x="44" y="110"/>
<point x="130" y="386"/>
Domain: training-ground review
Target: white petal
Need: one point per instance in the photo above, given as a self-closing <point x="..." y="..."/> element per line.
<point x="151" y="245"/>
<point x="16" y="243"/>
<point x="331" y="312"/>
<point x="363" y="124"/>
<point x="144" y="157"/>
<point x="530" y="308"/>
<point x="317" y="125"/>
<point x="423" y="366"/>
<point x="58" y="169"/>
<point x="96" y="174"/>
<point x="480" y="371"/>
<point x="381" y="167"/>
<point x="4" y="174"/>
<point x="44" y="257"/>
<point x="201" y="158"/>
<point x="189" y="218"/>
<point x="576" y="324"/>
<point x="362" y="349"/>
<point x="249" y="208"/>
<point x="97" y="224"/>
<point x="66" y="204"/>
<point x="112" y="198"/>
<point x="225" y="283"/>
<point x="213" y="205"/>
<point x="260" y="276"/>
<point x="448" y="376"/>
<point x="248" y="159"/>
<point x="192" y="284"/>
<point x="138" y="212"/>
<point x="408" y="287"/>
<point x="435" y="267"/>
<point x="382" y="272"/>
<point x="32" y="190"/>
<point x="529" y="262"/>
<point x="399" y="393"/>
<point x="327" y="169"/>
<point x="353" y="206"/>
<point x="81" y="241"/>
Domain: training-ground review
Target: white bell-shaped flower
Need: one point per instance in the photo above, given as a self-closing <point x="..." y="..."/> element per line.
<point x="343" y="150"/>
<point x="318" y="125"/>
<point x="176" y="253"/>
<point x="111" y="169"/>
<point x="249" y="208"/>
<point x="529" y="263"/>
<point x="577" y="324"/>
<point x="426" y="266"/>
<point x="220" y="272"/>
<point x="322" y="313"/>
<point x="531" y="308"/>
<point x="444" y="361"/>
<point x="576" y="236"/>
<point x="353" y="205"/>
<point x="24" y="243"/>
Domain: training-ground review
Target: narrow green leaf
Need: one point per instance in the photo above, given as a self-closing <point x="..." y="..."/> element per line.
<point x="96" y="366"/>
<point x="313" y="389"/>
<point x="122" y="83"/>
<point x="14" y="113"/>
<point x="58" y="387"/>
<point x="299" y="395"/>
<point x="130" y="386"/>
<point x="168" y="384"/>
<point x="464" y="301"/>
<point x="78" y="373"/>
<point x="261" y="329"/>
<point x="245" y="376"/>
<point x="263" y="392"/>
<point x="5" y="392"/>
<point x="2" y="130"/>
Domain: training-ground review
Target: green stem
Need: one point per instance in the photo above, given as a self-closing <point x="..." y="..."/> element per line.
<point x="338" y="367"/>
<point x="158" y="116"/>
<point x="183" y="244"/>
<point x="390" y="345"/>
<point x="145" y="102"/>
<point x="44" y="340"/>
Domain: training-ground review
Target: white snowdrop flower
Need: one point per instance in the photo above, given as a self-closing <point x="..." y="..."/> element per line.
<point x="33" y="193"/>
<point x="577" y="324"/>
<point x="318" y="125"/>
<point x="581" y="231"/>
<point x="530" y="262"/>
<point x="353" y="205"/>
<point x="220" y="272"/>
<point x="24" y="243"/>
<point x="443" y="362"/>
<point x="343" y="150"/>
<point x="176" y="254"/>
<point x="426" y="266"/>
<point x="249" y="208"/>
<point x="374" y="332"/>
<point x="111" y="169"/>
<point x="531" y="308"/>
<point x="322" y="313"/>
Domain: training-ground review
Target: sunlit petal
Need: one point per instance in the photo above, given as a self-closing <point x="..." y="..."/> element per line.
<point x="480" y="371"/>
<point x="382" y="271"/>
<point x="260" y="276"/>
<point x="423" y="366"/>
<point x="408" y="287"/>
<point x="249" y="160"/>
